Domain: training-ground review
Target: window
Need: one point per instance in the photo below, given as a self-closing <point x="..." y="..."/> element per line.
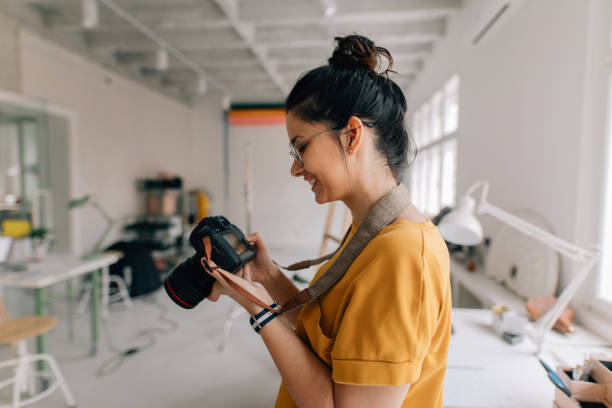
<point x="425" y="124"/>
<point x="451" y="105"/>
<point x="436" y="116"/>
<point x="449" y="173"/>
<point x="434" y="125"/>
<point x="433" y="197"/>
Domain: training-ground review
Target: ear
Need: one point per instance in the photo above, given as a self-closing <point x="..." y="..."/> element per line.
<point x="355" y="134"/>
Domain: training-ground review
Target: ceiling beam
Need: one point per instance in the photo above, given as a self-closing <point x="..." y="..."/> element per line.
<point x="228" y="77"/>
<point x="315" y="62"/>
<point x="268" y="11"/>
<point x="170" y="48"/>
<point x="136" y="44"/>
<point x="401" y="39"/>
<point x="247" y="32"/>
<point x="346" y="19"/>
<point x="373" y="17"/>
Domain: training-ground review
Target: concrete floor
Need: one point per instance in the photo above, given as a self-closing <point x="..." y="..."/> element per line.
<point x="181" y="368"/>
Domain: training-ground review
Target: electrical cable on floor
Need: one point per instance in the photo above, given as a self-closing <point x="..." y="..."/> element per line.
<point x="113" y="363"/>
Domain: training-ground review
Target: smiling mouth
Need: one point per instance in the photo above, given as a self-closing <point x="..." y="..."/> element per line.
<point x="312" y="182"/>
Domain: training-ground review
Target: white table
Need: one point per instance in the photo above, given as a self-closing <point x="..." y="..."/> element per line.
<point x="488" y="291"/>
<point x="486" y="372"/>
<point x="57" y="268"/>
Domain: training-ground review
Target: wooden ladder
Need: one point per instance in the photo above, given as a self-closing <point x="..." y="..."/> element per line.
<point x="329" y="224"/>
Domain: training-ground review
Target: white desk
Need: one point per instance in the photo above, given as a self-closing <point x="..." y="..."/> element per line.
<point x="485" y="289"/>
<point x="486" y="372"/>
<point x="57" y="268"/>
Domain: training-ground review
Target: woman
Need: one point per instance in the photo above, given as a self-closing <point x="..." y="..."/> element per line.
<point x="380" y="336"/>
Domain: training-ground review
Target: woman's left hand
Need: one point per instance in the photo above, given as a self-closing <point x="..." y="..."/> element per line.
<point x="243" y="278"/>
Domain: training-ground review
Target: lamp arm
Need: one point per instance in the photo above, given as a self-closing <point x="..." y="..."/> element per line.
<point x="475" y="186"/>
<point x="568" y="249"/>
<point x="545" y="323"/>
<point x="98" y="246"/>
<point x="104" y="213"/>
<point x="586" y="257"/>
<point x="110" y="222"/>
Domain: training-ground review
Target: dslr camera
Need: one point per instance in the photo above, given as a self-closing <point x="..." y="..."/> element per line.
<point x="188" y="284"/>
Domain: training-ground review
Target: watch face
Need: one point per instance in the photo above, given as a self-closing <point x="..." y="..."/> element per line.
<point x="234" y="242"/>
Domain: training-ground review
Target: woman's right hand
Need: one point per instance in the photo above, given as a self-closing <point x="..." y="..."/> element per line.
<point x="262" y="267"/>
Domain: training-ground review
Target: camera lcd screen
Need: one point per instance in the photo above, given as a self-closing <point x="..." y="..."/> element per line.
<point x="233" y="240"/>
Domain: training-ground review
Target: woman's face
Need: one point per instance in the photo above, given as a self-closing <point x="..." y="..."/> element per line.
<point x="324" y="167"/>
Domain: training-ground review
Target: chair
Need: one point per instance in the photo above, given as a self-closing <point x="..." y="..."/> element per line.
<point x="122" y="293"/>
<point x="17" y="331"/>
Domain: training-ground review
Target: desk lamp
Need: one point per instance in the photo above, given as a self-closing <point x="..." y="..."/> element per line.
<point x="91" y="201"/>
<point x="461" y="227"/>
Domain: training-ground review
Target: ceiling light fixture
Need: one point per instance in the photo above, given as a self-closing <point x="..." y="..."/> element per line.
<point x="226" y="102"/>
<point x="331" y="7"/>
<point x="162" y="61"/>
<point x="89" y="12"/>
<point x="202" y="85"/>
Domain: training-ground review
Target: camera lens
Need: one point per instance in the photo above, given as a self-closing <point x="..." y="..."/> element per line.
<point x="189" y="283"/>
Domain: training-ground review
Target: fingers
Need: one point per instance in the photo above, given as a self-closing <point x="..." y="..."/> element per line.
<point x="256" y="240"/>
<point x="246" y="272"/>
<point x="215" y="293"/>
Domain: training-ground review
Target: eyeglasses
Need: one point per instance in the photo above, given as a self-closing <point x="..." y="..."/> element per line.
<point x="296" y="150"/>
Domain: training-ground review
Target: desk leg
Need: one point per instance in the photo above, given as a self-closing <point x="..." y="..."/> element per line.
<point x="105" y="291"/>
<point x="70" y="309"/>
<point x="95" y="310"/>
<point x="456" y="292"/>
<point x="42" y="309"/>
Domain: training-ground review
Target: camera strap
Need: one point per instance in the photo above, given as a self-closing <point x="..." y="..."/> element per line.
<point x="311" y="262"/>
<point x="232" y="280"/>
<point x="380" y="215"/>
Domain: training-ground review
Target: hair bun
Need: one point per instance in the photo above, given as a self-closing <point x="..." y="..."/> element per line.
<point x="356" y="51"/>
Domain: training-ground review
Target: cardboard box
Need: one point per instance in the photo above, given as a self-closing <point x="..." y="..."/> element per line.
<point x="582" y="390"/>
<point x="602" y="368"/>
<point x="563" y="401"/>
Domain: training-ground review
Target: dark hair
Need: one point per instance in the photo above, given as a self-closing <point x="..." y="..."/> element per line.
<point x="351" y="86"/>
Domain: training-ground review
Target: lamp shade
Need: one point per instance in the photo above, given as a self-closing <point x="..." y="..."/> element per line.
<point x="460" y="226"/>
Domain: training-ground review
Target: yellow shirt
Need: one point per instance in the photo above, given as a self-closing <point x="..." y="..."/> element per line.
<point x="388" y="320"/>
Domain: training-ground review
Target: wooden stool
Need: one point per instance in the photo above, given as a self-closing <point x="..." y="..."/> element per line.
<point x="17" y="331"/>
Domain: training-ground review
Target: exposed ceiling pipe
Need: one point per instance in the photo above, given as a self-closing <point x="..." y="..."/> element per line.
<point x="89" y="14"/>
<point x="202" y="85"/>
<point x="162" y="60"/>
<point x="163" y="44"/>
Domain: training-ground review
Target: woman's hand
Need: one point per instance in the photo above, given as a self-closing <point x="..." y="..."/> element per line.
<point x="243" y="278"/>
<point x="262" y="268"/>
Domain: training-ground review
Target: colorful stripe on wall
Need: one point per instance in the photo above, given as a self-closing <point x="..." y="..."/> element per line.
<point x="257" y="117"/>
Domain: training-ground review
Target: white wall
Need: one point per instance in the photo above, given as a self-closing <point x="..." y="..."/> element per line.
<point x="284" y="210"/>
<point x="125" y="131"/>
<point x="207" y="159"/>
<point x="522" y="98"/>
<point x="9" y="55"/>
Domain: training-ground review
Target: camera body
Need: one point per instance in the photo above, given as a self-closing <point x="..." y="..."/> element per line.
<point x="230" y="251"/>
<point x="189" y="283"/>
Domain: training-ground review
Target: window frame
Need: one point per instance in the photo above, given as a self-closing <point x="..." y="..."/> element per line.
<point x="601" y="305"/>
<point x="434" y="109"/>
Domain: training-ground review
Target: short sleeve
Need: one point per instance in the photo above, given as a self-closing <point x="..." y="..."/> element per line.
<point x="388" y="320"/>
